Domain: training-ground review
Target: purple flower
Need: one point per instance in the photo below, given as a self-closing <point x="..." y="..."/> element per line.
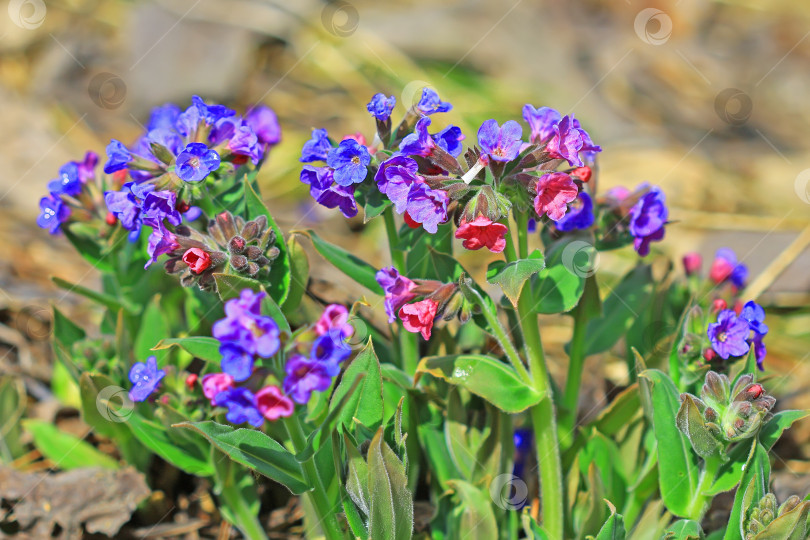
<point x="68" y="182"/>
<point x="245" y="327"/>
<point x="305" y="376"/>
<point x="427" y="206"/>
<point x="196" y="162"/>
<point x="350" y="161"/>
<point x="380" y="106"/>
<point x="647" y="219"/>
<point x="262" y="120"/>
<point x="236" y="361"/>
<point x="118" y="157"/>
<point x="145" y="377"/>
<point x="244" y="142"/>
<point x="160" y="205"/>
<point x="579" y="215"/>
<point x="161" y="241"/>
<point x="397" y="289"/>
<point x="242" y="406"/>
<point x="330" y="349"/>
<point x="541" y="121"/>
<point x="317" y="148"/>
<point x="323" y="189"/>
<point x="450" y="139"/>
<point x="430" y="103"/>
<point x="725" y="267"/>
<point x="729" y="335"/>
<point x="127" y="208"/>
<point x="418" y="143"/>
<point x="759" y="350"/>
<point x="164" y="117"/>
<point x="53" y="212"/>
<point x="210" y="113"/>
<point x="395" y="178"/>
<point x="501" y="143"/>
<point x="755" y="315"/>
<point x="165" y="137"/>
<point x="569" y="140"/>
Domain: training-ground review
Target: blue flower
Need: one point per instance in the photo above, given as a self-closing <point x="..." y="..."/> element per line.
<point x="317" y="148"/>
<point x="161" y="241"/>
<point x="53" y="212"/>
<point x="145" y="377"/>
<point x="501" y="143"/>
<point x="127" y="208"/>
<point x="395" y="178"/>
<point x="449" y="139"/>
<point x="161" y="205"/>
<point x="418" y="143"/>
<point x="118" y="157"/>
<point x="579" y="215"/>
<point x="241" y="405"/>
<point x="380" y="106"/>
<point x="68" y="183"/>
<point x="755" y="315"/>
<point x="236" y="361"/>
<point x="350" y="161"/>
<point x="211" y="113"/>
<point x="729" y="335"/>
<point x="647" y="220"/>
<point x="264" y="123"/>
<point x="196" y="162"/>
<point x="305" y="376"/>
<point x="163" y="117"/>
<point x="430" y="103"/>
<point x="330" y="349"/>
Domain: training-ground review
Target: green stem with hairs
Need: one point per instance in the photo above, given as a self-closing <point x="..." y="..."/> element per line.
<point x="576" y="362"/>
<point x="543" y="414"/>
<point x="323" y="508"/>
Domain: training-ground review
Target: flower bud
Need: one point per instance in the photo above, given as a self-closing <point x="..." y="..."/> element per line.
<point x="692" y="263"/>
<point x="718" y="305"/>
<point x="582" y="173"/>
<point x="236" y="245"/>
<point x="250" y="230"/>
<point x="182" y="206"/>
<point x="111" y="219"/>
<point x="766" y="521"/>
<point x="254" y="252"/>
<point x="272" y="254"/>
<point x="239" y="262"/>
<point x="252" y="269"/>
<point x="191" y="380"/>
<point x="197" y="260"/>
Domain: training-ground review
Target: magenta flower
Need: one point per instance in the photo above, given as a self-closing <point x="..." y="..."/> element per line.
<point x="214" y="383"/>
<point x="418" y="317"/>
<point x="273" y="404"/>
<point x="554" y="192"/>
<point x="482" y="232"/>
<point x="334" y="316"/>
<point x="501" y="143"/>
<point x="569" y="140"/>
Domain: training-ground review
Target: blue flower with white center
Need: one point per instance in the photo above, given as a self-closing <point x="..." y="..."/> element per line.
<point x="196" y="162"/>
<point x="145" y="377"/>
<point x="350" y="161"/>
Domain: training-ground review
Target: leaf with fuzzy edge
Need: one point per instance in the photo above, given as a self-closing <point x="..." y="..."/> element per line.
<point x="511" y="276"/>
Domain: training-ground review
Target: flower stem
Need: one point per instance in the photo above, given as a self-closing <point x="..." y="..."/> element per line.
<point x="698" y="504"/>
<point x="543" y="414"/>
<point x="246" y="521"/>
<point x="407" y="343"/>
<point x="323" y="508"/>
<point x="570" y="399"/>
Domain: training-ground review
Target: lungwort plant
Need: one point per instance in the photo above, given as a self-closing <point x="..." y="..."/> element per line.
<point x="426" y="409"/>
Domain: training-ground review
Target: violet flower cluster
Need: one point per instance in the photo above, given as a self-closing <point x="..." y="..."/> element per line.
<point x="313" y="360"/>
<point x="72" y="194"/>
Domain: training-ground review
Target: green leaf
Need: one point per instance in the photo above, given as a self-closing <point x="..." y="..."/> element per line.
<point x="13" y="401"/>
<point x="155" y="437"/>
<point x="357" y="478"/>
<point x="485" y="377"/>
<point x="430" y="263"/>
<point x="677" y="463"/>
<point x="391" y="512"/>
<point x="354" y="267"/>
<point x="511" y="276"/>
<point x="559" y="286"/>
<point x="684" y="529"/>
<point x="619" y="412"/>
<point x="691" y="424"/>
<point x="279" y="278"/>
<point x="477" y="518"/>
<point x="66" y="451"/>
<point x="153" y="326"/>
<point x="373" y="202"/>
<point x="110" y="302"/>
<point x="89" y="248"/>
<point x="299" y="275"/>
<point x="613" y="529"/>
<point x="66" y="331"/>
<point x="729" y="473"/>
<point x="773" y="428"/>
<point x="323" y="433"/>
<point x="753" y="486"/>
<point x="255" y="450"/>
<point x="619" y="311"/>
<point x="366" y="401"/>
<point x="202" y="347"/>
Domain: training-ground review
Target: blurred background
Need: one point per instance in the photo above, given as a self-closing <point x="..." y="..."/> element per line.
<point x="706" y="98"/>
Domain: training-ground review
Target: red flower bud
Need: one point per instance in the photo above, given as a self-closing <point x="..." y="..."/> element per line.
<point x="756" y="390"/>
<point x="238" y="159"/>
<point x="111" y="219"/>
<point x="182" y="206"/>
<point x="410" y="222"/>
<point x="583" y="173"/>
<point x="191" y="380"/>
<point x="709" y="355"/>
<point x="197" y="259"/>
<point x="738" y="306"/>
<point x="692" y="263"/>
<point x="718" y="305"/>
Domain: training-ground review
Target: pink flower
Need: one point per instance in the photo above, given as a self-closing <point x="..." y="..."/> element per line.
<point x="273" y="404"/>
<point x="418" y="317"/>
<point x="334" y="316"/>
<point x="482" y="232"/>
<point x="554" y="192"/>
<point x="214" y="383"/>
<point x="692" y="263"/>
<point x="197" y="259"/>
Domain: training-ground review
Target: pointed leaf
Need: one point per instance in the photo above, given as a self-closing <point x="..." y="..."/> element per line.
<point x="202" y="347"/>
<point x="613" y="529"/>
<point x="511" y="276"/>
<point x="391" y="509"/>
<point x="278" y="281"/>
<point x="366" y="401"/>
<point x="299" y="275"/>
<point x="773" y="428"/>
<point x="691" y="424"/>
<point x="351" y="265"/>
<point x="64" y="450"/>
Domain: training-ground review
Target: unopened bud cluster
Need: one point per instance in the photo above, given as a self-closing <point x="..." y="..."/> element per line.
<point x="765" y="520"/>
